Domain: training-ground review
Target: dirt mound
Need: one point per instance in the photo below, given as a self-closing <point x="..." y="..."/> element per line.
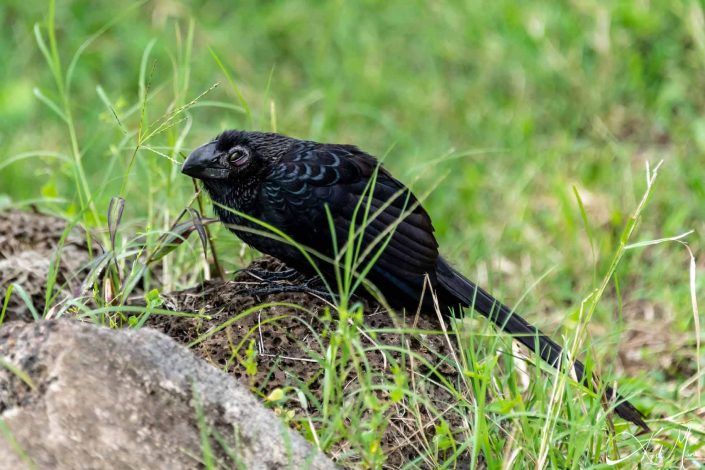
<point x="30" y="245"/>
<point x="290" y="344"/>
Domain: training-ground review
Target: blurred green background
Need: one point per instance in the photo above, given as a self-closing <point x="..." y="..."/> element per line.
<point x="501" y="108"/>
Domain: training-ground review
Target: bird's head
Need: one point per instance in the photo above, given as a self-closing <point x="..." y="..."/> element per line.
<point x="235" y="155"/>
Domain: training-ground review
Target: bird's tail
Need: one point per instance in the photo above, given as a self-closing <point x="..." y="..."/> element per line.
<point x="456" y="290"/>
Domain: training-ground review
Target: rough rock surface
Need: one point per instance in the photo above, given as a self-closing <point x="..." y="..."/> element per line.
<point x="102" y="398"/>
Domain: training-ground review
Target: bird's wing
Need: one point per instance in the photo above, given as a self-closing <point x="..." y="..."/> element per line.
<point x="312" y="176"/>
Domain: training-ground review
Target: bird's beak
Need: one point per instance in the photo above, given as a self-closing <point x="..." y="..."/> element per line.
<point x="205" y="163"/>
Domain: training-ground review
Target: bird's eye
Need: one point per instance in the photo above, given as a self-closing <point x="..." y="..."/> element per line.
<point x="238" y="156"/>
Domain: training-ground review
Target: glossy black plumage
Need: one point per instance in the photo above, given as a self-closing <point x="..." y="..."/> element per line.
<point x="292" y="185"/>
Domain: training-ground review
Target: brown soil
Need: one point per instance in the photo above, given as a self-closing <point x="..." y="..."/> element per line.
<point x="29" y="244"/>
<point x="290" y="342"/>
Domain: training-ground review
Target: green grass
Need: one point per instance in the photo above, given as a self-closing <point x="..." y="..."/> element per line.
<point x="530" y="124"/>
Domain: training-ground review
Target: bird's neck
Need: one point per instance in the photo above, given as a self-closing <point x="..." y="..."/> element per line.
<point x="241" y="195"/>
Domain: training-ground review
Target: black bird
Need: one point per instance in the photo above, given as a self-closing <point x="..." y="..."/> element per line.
<point x="297" y="186"/>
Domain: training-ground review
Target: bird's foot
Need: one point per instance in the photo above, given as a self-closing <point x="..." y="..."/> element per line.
<point x="313" y="286"/>
<point x="265" y="275"/>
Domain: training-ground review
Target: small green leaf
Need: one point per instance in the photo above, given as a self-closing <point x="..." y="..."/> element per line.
<point x="153" y="298"/>
<point x="49" y="190"/>
<point x="276" y="395"/>
<point x="250" y="361"/>
<point x="443" y="437"/>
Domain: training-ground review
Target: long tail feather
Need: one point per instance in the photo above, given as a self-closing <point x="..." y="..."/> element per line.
<point x="460" y="291"/>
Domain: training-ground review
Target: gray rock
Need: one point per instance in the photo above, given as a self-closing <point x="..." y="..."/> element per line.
<point x="102" y="398"/>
